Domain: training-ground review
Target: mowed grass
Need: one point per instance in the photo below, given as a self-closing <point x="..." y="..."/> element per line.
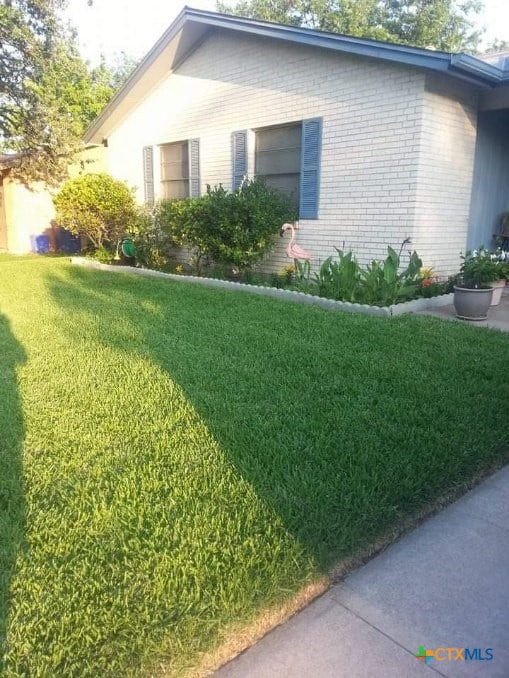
<point x="176" y="458"/>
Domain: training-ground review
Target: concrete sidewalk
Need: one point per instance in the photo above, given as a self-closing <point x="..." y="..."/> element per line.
<point x="446" y="584"/>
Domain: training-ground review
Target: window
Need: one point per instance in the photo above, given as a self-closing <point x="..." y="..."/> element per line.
<point x="278" y="157"/>
<point x="180" y="171"/>
<point x="288" y="158"/>
<point x="175" y="176"/>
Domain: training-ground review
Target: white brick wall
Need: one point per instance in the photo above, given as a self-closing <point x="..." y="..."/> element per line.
<point x="378" y="120"/>
<point x="445" y="171"/>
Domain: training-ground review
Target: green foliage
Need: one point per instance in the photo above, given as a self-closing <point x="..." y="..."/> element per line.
<point x="49" y="96"/>
<point x="503" y="270"/>
<point x="383" y="284"/>
<point x="234" y="229"/>
<point x="99" y="207"/>
<point x="173" y="219"/>
<point x="478" y="269"/>
<point x="434" y="289"/>
<point x="303" y="280"/>
<point x="440" y="24"/>
<point x="339" y="279"/>
<point x="238" y="228"/>
<point x="152" y="245"/>
<point x="103" y="255"/>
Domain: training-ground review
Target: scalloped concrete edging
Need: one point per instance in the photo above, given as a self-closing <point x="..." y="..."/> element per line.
<point x="414" y="306"/>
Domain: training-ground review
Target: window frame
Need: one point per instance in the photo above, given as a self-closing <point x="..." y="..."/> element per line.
<point x="257" y="152"/>
<point x="164" y="183"/>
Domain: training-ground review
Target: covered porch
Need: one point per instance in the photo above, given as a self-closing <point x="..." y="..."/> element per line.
<point x="490" y="188"/>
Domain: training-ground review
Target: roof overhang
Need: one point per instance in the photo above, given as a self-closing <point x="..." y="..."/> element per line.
<point x="192" y="26"/>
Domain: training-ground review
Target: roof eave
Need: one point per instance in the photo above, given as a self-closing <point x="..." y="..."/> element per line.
<point x="480" y="70"/>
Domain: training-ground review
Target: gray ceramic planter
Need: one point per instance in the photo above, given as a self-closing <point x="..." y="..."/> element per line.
<point x="472" y="304"/>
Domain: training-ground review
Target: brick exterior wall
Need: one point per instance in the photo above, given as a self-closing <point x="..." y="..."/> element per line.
<point x="384" y="175"/>
<point x="445" y="171"/>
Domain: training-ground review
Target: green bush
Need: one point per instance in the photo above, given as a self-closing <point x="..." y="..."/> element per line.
<point x="173" y="219"/>
<point x="152" y="248"/>
<point x="479" y="268"/>
<point x="233" y="229"/>
<point x="98" y="207"/>
<point x="229" y="229"/>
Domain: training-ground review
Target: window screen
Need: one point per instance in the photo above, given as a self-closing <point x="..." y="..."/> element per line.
<point x="175" y="170"/>
<point x="278" y="156"/>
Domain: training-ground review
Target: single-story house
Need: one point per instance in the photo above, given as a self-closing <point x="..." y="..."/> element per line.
<point x="377" y="141"/>
<point x="27" y="211"/>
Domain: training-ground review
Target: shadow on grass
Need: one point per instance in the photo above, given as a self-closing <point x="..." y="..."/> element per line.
<point x="342" y="424"/>
<point x="11" y="470"/>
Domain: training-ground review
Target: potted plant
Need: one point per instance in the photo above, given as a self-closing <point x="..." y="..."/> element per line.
<point x="473" y="294"/>
<point x="501" y="259"/>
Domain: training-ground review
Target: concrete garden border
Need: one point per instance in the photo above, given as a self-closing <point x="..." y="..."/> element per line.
<point x="414" y="306"/>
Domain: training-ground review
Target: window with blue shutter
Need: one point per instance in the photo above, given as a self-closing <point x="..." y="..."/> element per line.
<point x="239" y="158"/>
<point x="148" y="175"/>
<point x="194" y="168"/>
<point x="310" y="168"/>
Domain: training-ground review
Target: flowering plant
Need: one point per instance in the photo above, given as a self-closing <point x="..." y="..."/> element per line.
<point x="501" y="258"/>
<point x="479" y="269"/>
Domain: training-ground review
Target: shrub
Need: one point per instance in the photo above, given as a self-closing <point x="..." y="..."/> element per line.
<point x="98" y="207"/>
<point x="236" y="228"/>
<point x="173" y="219"/>
<point x="103" y="256"/>
<point x="228" y="229"/>
<point x="151" y="243"/>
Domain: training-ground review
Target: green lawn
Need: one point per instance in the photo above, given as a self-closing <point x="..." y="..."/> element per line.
<point x="175" y="458"/>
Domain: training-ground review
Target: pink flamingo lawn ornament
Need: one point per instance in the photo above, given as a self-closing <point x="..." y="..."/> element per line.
<point x="293" y="250"/>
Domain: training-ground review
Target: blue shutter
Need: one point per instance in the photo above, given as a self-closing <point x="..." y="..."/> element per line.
<point x="148" y="175"/>
<point x="194" y="167"/>
<point x="310" y="168"/>
<point x="239" y="158"/>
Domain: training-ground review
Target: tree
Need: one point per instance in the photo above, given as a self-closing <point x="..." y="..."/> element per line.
<point x="495" y="46"/>
<point x="48" y="95"/>
<point x="120" y="69"/>
<point x="47" y="125"/>
<point x="439" y="24"/>
<point x="28" y="39"/>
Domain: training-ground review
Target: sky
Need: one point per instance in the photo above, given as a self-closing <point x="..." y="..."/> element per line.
<point x="133" y="26"/>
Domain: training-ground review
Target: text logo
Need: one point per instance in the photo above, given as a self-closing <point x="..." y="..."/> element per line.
<point x="455" y="654"/>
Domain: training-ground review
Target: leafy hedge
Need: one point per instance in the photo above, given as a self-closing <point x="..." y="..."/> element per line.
<point x="229" y="228"/>
<point x="97" y="206"/>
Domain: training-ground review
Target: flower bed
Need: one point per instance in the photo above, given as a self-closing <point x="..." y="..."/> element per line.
<point x="412" y="306"/>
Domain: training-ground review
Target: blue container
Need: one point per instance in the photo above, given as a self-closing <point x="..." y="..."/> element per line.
<point x="67" y="242"/>
<point x="41" y="244"/>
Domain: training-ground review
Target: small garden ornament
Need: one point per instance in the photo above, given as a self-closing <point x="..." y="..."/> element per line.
<point x="293" y="250"/>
